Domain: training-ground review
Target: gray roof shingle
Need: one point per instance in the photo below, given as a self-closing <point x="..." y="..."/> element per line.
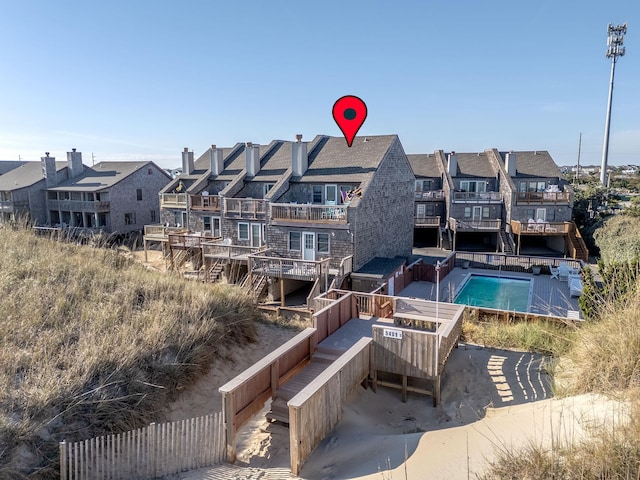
<point x="534" y="164"/>
<point x="25" y="175"/>
<point x="475" y="165"/>
<point x="101" y="176"/>
<point x="425" y="165"/>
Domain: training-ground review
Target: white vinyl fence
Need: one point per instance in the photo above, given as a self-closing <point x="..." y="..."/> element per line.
<point x="146" y="453"/>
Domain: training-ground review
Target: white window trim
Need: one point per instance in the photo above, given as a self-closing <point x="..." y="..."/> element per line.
<point x="299" y="249"/>
<point x="248" y="237"/>
<point x="328" y="243"/>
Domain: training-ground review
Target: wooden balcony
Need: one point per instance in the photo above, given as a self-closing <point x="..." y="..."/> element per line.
<point x="469" y="225"/>
<point x="206" y="203"/>
<point x="426" y="222"/>
<point x="540" y="228"/>
<point x="160" y="233"/>
<point x="555" y="198"/>
<point x="222" y="251"/>
<point x="173" y="200"/>
<point x="477" y="197"/>
<point x="9" y="206"/>
<point x="288" y="267"/>
<point x="297" y="213"/>
<point x="433" y="195"/>
<point x="78" y="206"/>
<point x="247" y="208"/>
<point x="185" y="240"/>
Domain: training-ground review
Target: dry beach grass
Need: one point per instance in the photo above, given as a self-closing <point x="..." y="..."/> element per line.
<point x="91" y="343"/>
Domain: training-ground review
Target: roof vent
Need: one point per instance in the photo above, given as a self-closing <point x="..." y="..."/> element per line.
<point x="73" y="149"/>
<point x="46" y="153"/>
<point x="365" y="139"/>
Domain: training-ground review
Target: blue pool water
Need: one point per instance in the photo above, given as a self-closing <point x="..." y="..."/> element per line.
<point x="495" y="292"/>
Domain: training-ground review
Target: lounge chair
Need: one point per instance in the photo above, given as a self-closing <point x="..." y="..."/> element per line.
<point x="563" y="272"/>
<point x="531" y="225"/>
<point x="575" y="285"/>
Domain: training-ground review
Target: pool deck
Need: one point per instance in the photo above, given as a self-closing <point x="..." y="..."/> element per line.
<point x="549" y="297"/>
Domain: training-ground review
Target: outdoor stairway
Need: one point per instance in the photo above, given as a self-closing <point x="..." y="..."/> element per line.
<point x="254" y="284"/>
<point x="578" y="244"/>
<point x="215" y="272"/>
<point x="445" y="238"/>
<point x="322" y="358"/>
<point x="506" y="241"/>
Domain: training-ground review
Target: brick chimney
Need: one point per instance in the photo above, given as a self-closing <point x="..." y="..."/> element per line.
<point x="216" y="160"/>
<point x="74" y="163"/>
<point x="452" y="166"/>
<point x="299" y="157"/>
<point x="49" y="171"/>
<point x="252" y="154"/>
<point x="510" y="163"/>
<point x="187" y="161"/>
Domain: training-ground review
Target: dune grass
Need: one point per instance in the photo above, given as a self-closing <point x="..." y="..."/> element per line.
<point x="91" y="343"/>
<point x="604" y="358"/>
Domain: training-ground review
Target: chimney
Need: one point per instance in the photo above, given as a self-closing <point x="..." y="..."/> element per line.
<point x="49" y="170"/>
<point x="216" y="160"/>
<point x="187" y="161"/>
<point x="252" y="153"/>
<point x="74" y="163"/>
<point x="510" y="163"/>
<point x="299" y="157"/>
<point x="452" y="167"/>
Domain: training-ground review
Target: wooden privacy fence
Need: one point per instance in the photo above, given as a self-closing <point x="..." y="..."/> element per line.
<point x="146" y="453"/>
<point x="317" y="408"/>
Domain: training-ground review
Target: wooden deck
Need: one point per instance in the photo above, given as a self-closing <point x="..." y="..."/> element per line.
<point x="549" y="297"/>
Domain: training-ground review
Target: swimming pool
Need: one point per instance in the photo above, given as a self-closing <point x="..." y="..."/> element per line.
<point x="503" y="293"/>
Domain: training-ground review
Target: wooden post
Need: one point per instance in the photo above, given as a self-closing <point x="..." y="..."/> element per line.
<point x="454" y="240"/>
<point x="144" y="242"/>
<point x="404" y="388"/>
<point x="63" y="460"/>
<point x="229" y="423"/>
<point x="275" y="376"/>
<point x="436" y="391"/>
<point x="282" y="303"/>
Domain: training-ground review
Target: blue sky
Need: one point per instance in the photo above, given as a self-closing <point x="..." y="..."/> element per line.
<point x="130" y="80"/>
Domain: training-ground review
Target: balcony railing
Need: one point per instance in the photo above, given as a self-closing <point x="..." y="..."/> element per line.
<point x="207" y="203"/>
<point x="469" y="225"/>
<point x="295" y="213"/>
<point x="78" y="206"/>
<point x="244" y="208"/>
<point x="173" y="200"/>
<point x="430" y="195"/>
<point x="543" y="197"/>
<point x="190" y="239"/>
<point x="424" y="221"/>
<point x="477" y="197"/>
<point x="160" y="232"/>
<point x="289" y="268"/>
<point x="10" y="206"/>
<point x="540" y="228"/>
<point x="221" y="251"/>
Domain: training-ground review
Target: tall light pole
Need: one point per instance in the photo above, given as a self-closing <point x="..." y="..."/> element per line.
<point x="614" y="50"/>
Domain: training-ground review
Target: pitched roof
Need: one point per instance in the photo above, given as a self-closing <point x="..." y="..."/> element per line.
<point x="425" y="165"/>
<point x="275" y="163"/>
<point x="333" y="161"/>
<point x="101" y="176"/>
<point x="7" y="165"/>
<point x="535" y="164"/>
<point x="25" y="175"/>
<point x="475" y="165"/>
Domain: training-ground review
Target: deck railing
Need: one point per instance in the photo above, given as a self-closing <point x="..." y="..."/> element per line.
<point x="288" y="268"/>
<point x="477" y="197"/>
<point x="78" y="205"/>
<point x="248" y="208"/>
<point x="500" y="261"/>
<point x="469" y="225"/>
<point x="543" y="197"/>
<point x="161" y="232"/>
<point x="173" y="200"/>
<point x="11" y="206"/>
<point x="221" y="250"/>
<point x="285" y="212"/>
<point x="190" y="239"/>
<point x="424" y="221"/>
<point x="430" y="195"/>
<point x="537" y="228"/>
<point x="207" y="203"/>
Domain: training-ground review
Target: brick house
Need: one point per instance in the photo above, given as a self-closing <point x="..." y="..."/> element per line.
<point x="114" y="197"/>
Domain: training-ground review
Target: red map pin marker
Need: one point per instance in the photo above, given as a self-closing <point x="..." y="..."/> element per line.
<point x="349" y="112"/>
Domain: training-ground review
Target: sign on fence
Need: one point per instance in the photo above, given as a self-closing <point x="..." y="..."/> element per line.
<point x="146" y="453"/>
<point x="391" y="333"/>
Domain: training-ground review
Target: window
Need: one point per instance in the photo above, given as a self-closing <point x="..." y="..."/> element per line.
<point x="423" y="185"/>
<point x="485" y="212"/>
<point x="294" y="241"/>
<point x="129" y="218"/>
<point x="206" y="224"/>
<point x="217" y="230"/>
<point x="76" y="196"/>
<point x="523" y="187"/>
<point x="243" y="231"/>
<point x="331" y="194"/>
<point x="530" y="213"/>
<point x="50" y="196"/>
<point x="317" y="194"/>
<point x="551" y="215"/>
<point x="89" y="196"/>
<point x="138" y="194"/>
<point x="153" y="215"/>
<point x="467" y="212"/>
<point x="473" y="186"/>
<point x="149" y="171"/>
<point x="537" y="186"/>
<point x="266" y="187"/>
<point x="323" y="242"/>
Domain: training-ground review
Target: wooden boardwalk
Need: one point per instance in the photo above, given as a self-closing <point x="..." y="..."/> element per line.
<point x="549" y="297"/>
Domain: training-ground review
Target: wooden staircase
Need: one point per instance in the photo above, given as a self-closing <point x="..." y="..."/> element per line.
<point x="577" y="247"/>
<point x="445" y="238"/>
<point x="214" y="272"/>
<point x="322" y="358"/>
<point x="254" y="284"/>
<point x="508" y="247"/>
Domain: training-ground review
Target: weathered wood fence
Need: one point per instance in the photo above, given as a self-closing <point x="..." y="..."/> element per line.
<point x="146" y="453"/>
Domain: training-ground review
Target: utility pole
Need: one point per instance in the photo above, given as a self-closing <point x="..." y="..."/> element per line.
<point x="614" y="50"/>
